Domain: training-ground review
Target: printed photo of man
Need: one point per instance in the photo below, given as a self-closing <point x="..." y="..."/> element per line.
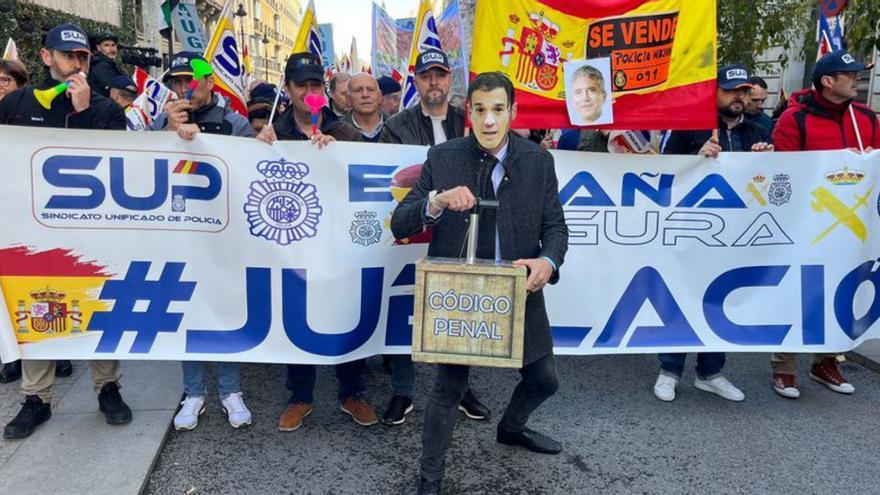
<point x="587" y="93"/>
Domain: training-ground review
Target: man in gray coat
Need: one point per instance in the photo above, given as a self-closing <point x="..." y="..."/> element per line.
<point x="528" y="227"/>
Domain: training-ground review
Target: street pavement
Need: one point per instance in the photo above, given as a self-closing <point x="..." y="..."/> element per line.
<point x="618" y="438"/>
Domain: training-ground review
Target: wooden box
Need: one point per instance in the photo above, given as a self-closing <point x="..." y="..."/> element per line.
<point x="469" y="314"/>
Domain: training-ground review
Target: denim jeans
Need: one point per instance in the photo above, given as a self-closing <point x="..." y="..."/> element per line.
<point x="301" y="381"/>
<point x="709" y="364"/>
<point x="539" y="381"/>
<point x="402" y="375"/>
<point x="228" y="378"/>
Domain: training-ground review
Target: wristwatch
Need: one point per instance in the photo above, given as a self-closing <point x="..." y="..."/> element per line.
<point x="432" y="199"/>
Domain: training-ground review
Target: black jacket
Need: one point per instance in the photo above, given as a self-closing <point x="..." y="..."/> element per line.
<point x="21" y="108"/>
<point x="214" y="118"/>
<point x="101" y="72"/>
<point x="331" y="125"/>
<point x="411" y="126"/>
<point x="530" y="220"/>
<point x="689" y="142"/>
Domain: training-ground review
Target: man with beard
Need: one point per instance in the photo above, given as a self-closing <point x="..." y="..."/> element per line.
<point x="66" y="57"/>
<point x="103" y="67"/>
<point x="824" y="118"/>
<point x="735" y="133"/>
<point x="588" y="93"/>
<point x="528" y="227"/>
<point x="433" y="120"/>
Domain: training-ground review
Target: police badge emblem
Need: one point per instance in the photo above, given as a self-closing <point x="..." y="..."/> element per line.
<point x="178" y="203"/>
<point x="365" y="228"/>
<point x="780" y="190"/>
<point x="283" y="208"/>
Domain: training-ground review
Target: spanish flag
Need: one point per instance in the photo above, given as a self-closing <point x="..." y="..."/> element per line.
<point x="309" y="38"/>
<point x="662" y="53"/>
<point x="50" y="294"/>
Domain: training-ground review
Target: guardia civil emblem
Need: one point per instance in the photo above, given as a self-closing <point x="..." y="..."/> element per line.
<point x="282" y="208"/>
<point x="780" y="190"/>
<point x="365" y="228"/>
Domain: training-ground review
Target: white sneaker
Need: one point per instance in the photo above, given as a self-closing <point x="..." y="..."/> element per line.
<point x="236" y="412"/>
<point x="190" y="410"/>
<point x="721" y="387"/>
<point x="664" y="388"/>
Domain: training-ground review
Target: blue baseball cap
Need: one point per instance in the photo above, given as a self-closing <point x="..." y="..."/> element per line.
<point x="123" y="82"/>
<point x="67" y="38"/>
<point x="838" y="61"/>
<point x="388" y="85"/>
<point x="733" y="76"/>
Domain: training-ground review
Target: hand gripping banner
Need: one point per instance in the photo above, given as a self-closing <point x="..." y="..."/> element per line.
<point x="145" y="246"/>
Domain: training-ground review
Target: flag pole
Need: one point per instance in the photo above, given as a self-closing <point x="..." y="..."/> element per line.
<point x="277" y="97"/>
<point x="852" y="115"/>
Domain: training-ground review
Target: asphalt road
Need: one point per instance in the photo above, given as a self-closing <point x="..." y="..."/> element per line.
<point x="618" y="438"/>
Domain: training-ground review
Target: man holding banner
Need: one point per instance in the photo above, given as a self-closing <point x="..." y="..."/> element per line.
<point x="528" y="227"/>
<point x="824" y="118"/>
<point x="66" y="55"/>
<point x="734" y="133"/>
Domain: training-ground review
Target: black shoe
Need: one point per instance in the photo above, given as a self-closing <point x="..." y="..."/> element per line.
<point x="33" y="413"/>
<point x="10" y="372"/>
<point x="531" y="440"/>
<point x="63" y="368"/>
<point x="398" y="408"/>
<point x="111" y="404"/>
<point x="427" y="487"/>
<point x="472" y="407"/>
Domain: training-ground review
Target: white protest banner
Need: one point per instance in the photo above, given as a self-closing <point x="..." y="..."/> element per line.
<point x="145" y="246"/>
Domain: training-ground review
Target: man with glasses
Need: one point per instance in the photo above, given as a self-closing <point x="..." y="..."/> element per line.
<point x="66" y="55"/>
<point x="824" y="118"/>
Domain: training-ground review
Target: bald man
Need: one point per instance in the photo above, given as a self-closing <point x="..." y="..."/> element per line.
<point x="366" y="114"/>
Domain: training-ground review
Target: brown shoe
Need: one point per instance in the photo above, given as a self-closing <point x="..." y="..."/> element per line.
<point x="784" y="385"/>
<point x="360" y="411"/>
<point x="827" y="373"/>
<point x="292" y="417"/>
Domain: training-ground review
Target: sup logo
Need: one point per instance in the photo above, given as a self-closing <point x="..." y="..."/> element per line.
<point x="140" y="190"/>
<point x="283" y="208"/>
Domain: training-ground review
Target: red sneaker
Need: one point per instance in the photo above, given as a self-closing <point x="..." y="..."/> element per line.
<point x="784" y="385"/>
<point x="827" y="373"/>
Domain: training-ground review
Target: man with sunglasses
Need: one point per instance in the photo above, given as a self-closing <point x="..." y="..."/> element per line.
<point x="66" y="56"/>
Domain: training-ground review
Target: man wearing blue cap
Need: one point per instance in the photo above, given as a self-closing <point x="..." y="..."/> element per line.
<point x="66" y="56"/>
<point x="735" y="133"/>
<point x="824" y="118"/>
<point x="390" y="95"/>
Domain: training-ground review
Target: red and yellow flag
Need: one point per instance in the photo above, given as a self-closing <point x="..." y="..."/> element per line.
<point x="663" y="57"/>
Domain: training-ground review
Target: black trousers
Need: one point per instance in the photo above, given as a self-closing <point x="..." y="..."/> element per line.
<point x="539" y="382"/>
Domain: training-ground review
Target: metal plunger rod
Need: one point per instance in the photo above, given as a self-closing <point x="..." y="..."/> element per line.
<point x="474" y="227"/>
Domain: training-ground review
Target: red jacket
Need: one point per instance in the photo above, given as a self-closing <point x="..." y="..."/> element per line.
<point x="813" y="123"/>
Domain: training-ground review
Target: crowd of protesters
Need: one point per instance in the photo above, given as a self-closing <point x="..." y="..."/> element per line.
<point x="367" y="109"/>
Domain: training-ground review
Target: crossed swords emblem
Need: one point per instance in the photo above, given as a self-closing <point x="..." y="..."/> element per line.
<point x="843" y="214"/>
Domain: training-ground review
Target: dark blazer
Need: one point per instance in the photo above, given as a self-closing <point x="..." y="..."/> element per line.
<point x="530" y="219"/>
